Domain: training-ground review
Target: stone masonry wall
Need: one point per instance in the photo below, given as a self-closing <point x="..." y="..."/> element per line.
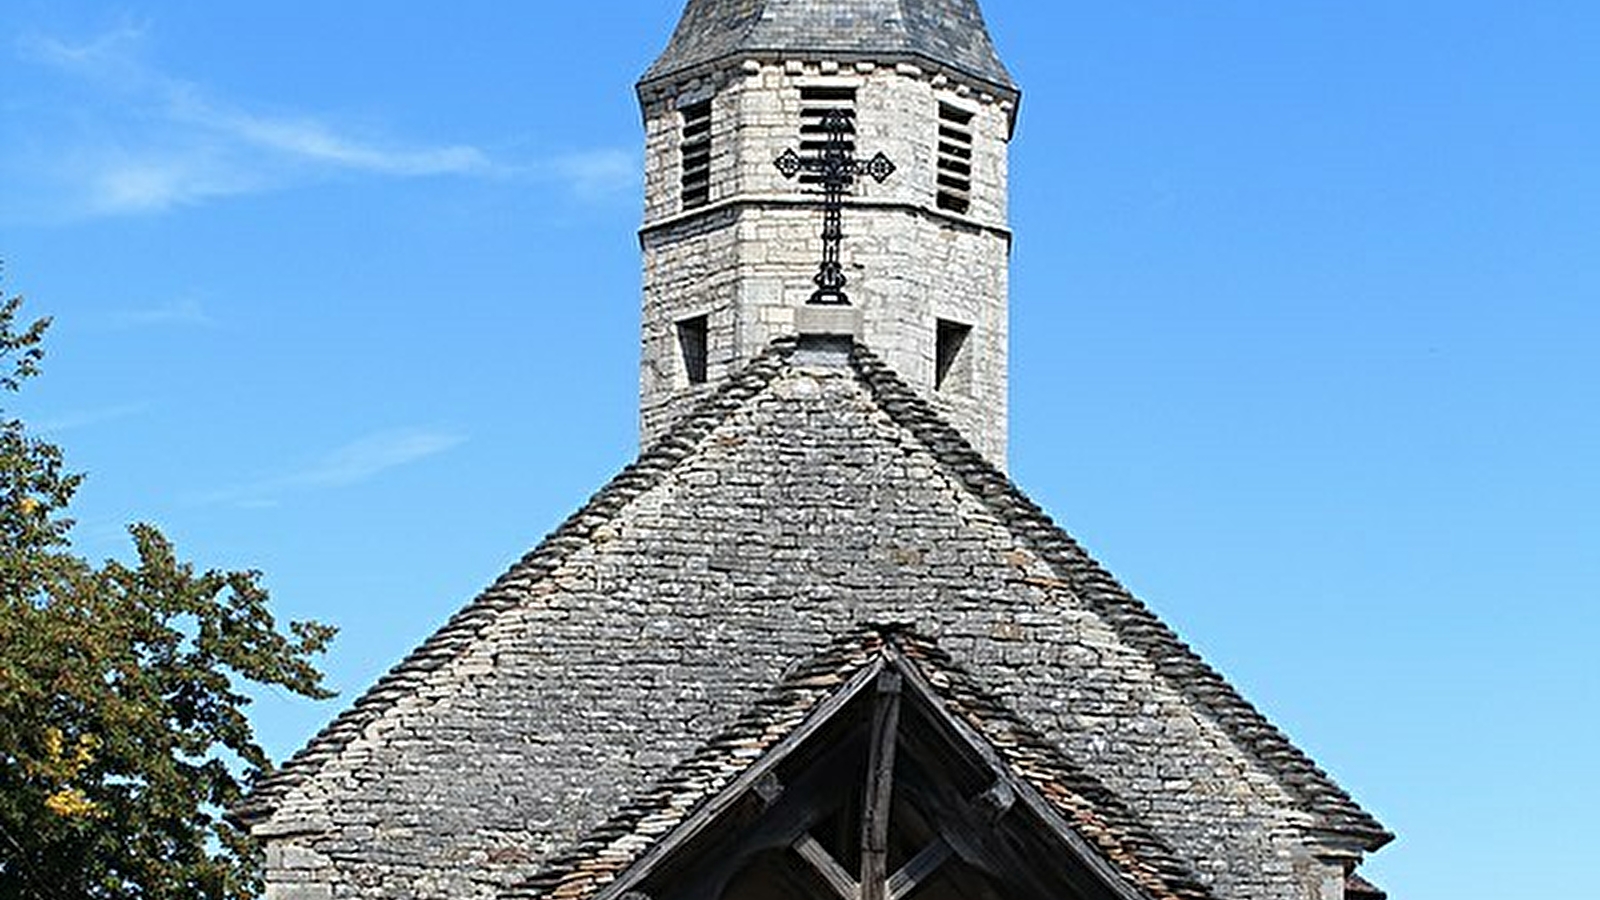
<point x="806" y="514"/>
<point x="909" y="263"/>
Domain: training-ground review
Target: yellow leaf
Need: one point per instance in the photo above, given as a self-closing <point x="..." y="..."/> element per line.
<point x="70" y="803"/>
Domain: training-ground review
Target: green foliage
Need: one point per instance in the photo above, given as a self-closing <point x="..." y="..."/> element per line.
<point x="122" y="727"/>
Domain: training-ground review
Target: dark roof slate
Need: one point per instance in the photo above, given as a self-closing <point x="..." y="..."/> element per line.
<point x="1358" y="888"/>
<point x="1096" y="814"/>
<point x="948" y="32"/>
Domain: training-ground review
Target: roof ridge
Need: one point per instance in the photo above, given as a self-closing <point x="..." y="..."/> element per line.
<point x="506" y="591"/>
<point x="1129" y="616"/>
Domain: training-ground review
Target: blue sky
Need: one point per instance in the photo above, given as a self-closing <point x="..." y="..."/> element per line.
<point x="1304" y="312"/>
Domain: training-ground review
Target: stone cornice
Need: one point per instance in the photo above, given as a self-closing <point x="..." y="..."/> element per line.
<point x="782" y="201"/>
<point x="825" y="63"/>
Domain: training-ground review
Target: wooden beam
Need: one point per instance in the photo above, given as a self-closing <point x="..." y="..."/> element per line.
<point x="880" y="788"/>
<point x="984" y="849"/>
<point x="826" y="866"/>
<point x="925" y="863"/>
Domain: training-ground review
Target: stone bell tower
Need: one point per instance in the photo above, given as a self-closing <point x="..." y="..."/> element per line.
<point x="732" y="246"/>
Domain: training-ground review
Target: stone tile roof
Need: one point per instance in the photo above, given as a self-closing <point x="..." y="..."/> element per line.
<point x="948" y="32"/>
<point x="874" y="399"/>
<point x="1105" y="823"/>
<point x="507" y="591"/>
<point x="1134" y="621"/>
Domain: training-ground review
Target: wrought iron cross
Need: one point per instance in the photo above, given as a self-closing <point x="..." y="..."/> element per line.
<point x="836" y="168"/>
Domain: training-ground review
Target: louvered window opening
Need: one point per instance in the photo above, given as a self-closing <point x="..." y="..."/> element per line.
<point x="815" y="104"/>
<point x="696" y="149"/>
<point x="955" y="159"/>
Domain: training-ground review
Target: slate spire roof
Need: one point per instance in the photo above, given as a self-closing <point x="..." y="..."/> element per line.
<point x="946" y="32"/>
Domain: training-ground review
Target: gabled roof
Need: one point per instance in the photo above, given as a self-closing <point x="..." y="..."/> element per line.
<point x="613" y="858"/>
<point x="509" y="589"/>
<point x="804" y="462"/>
<point x="1134" y="621"/>
<point x="948" y="32"/>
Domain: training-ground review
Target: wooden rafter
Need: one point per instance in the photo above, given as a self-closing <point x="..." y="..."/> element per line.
<point x="917" y="870"/>
<point x="880" y="788"/>
<point x="812" y="851"/>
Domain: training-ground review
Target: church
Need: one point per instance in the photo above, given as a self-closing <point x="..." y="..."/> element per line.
<point x="813" y="643"/>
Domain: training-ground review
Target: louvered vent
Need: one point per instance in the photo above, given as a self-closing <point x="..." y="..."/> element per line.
<point x="815" y="103"/>
<point x="696" y="148"/>
<point x="955" y="159"/>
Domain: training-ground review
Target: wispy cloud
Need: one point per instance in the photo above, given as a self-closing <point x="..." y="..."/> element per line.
<point x="87" y="418"/>
<point x="186" y="311"/>
<point x="596" y="172"/>
<point x="372" y="455"/>
<point x="150" y="143"/>
<point x="115" y="182"/>
<point x="312" y="141"/>
<point x="356" y="462"/>
<point x="109" y="54"/>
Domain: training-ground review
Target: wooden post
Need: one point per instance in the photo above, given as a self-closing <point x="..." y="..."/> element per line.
<point x="880" y="789"/>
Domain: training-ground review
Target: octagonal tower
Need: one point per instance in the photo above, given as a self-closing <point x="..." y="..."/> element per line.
<point x="731" y="246"/>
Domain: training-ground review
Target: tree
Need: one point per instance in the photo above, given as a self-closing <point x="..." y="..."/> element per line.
<point x="123" y="733"/>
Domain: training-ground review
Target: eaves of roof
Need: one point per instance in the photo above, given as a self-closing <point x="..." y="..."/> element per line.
<point x="1358" y="888"/>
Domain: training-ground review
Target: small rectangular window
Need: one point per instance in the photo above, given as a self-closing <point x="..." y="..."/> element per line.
<point x="692" y="348"/>
<point x="955" y="159"/>
<point x="815" y="104"/>
<point x="696" y="151"/>
<point x="952" y="360"/>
